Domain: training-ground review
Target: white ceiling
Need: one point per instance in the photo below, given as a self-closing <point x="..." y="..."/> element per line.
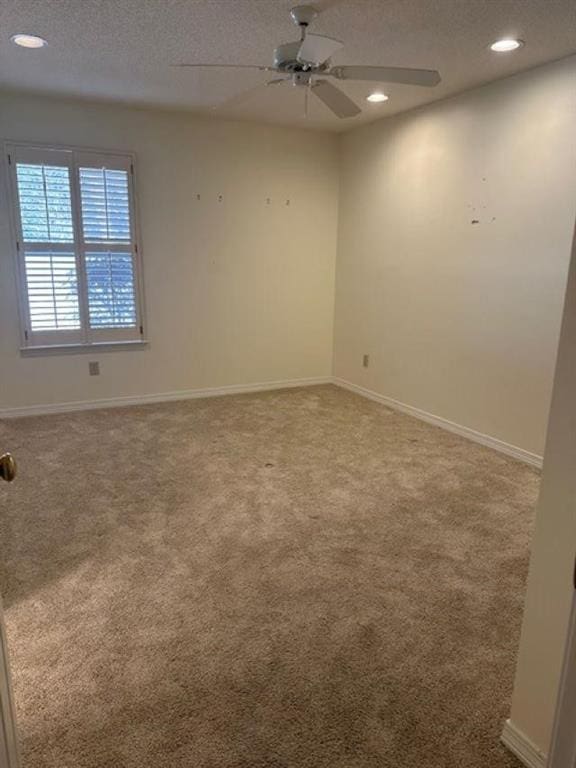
<point x="122" y="49"/>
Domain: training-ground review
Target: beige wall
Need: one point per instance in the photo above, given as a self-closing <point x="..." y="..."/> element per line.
<point x="550" y="591"/>
<point x="237" y="292"/>
<point x="461" y="320"/>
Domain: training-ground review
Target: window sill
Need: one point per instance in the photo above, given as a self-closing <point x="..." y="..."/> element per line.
<point x="74" y="349"/>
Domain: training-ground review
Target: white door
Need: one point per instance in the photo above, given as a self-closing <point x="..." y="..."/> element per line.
<point x="9" y="757"/>
<point x="563" y="750"/>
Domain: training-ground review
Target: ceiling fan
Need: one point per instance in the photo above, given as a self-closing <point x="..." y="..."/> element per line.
<point x="306" y="63"/>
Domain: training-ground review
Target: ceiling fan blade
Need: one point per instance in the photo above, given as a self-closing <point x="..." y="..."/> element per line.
<point x="316" y="49"/>
<point x="405" y="76"/>
<point x="334" y="99"/>
<point x="226" y="66"/>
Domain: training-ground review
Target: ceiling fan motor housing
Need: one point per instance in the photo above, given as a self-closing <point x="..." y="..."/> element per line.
<point x="285" y="59"/>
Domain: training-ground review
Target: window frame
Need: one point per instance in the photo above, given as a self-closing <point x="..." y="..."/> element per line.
<point x="74" y="157"/>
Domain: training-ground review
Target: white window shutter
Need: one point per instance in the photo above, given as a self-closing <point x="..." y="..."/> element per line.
<point x="77" y="253"/>
<point x="52" y="287"/>
<point x="111" y="289"/>
<point x="45" y="203"/>
<point x="109" y="246"/>
<point x="105" y="205"/>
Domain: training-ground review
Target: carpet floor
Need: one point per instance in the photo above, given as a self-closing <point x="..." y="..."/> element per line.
<point x="294" y="579"/>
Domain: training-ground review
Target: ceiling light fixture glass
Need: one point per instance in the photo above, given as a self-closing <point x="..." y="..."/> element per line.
<point x="29" y="41"/>
<point x="506" y="45"/>
<point x="377" y="97"/>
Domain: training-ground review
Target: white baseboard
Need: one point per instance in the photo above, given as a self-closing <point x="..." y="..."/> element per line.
<point x="162" y="397"/>
<point x="237" y="389"/>
<point x="491" y="442"/>
<point x="521" y="746"/>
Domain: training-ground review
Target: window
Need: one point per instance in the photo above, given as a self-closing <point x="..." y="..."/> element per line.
<point x="78" y="262"/>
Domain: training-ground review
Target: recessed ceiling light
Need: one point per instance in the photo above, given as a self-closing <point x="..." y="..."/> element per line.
<point x="377" y="97"/>
<point x="29" y="41"/>
<point x="506" y="45"/>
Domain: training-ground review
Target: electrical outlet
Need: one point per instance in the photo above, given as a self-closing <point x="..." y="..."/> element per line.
<point x="94" y="368"/>
<point x="365" y="361"/>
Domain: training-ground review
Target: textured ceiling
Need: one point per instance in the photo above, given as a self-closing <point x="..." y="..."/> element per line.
<point x="122" y="49"/>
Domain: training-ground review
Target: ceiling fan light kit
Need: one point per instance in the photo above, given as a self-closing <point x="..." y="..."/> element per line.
<point x="377" y="97"/>
<point x="307" y="62"/>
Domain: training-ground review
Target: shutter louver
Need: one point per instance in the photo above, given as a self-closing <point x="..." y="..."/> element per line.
<point x="105" y="205"/>
<point x="52" y="288"/>
<point x="111" y="300"/>
<point x="45" y="205"/>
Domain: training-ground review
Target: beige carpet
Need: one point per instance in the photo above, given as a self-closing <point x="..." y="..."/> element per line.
<point x="297" y="579"/>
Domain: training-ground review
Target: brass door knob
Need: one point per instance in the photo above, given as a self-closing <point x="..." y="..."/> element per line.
<point x="7" y="467"/>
